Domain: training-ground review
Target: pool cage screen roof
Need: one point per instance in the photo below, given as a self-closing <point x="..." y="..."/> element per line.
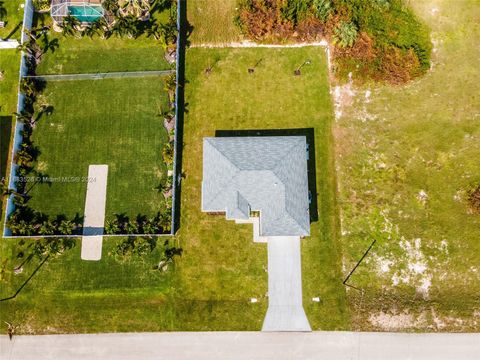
<point x="86" y="8"/>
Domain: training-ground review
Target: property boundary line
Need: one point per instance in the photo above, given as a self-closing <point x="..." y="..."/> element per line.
<point x="179" y="113"/>
<point x="17" y="136"/>
<point x="100" y="76"/>
<point x="252" y="44"/>
<point x="79" y="236"/>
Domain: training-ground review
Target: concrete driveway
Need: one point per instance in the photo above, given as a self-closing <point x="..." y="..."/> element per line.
<point x="285" y="310"/>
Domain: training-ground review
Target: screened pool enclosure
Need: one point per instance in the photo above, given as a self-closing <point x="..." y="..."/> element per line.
<point x="86" y="11"/>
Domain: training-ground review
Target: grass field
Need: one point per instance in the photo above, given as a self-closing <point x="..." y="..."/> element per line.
<point x="9" y="65"/>
<point x="69" y="295"/>
<point x="113" y="122"/>
<point x="272" y="98"/>
<point x="87" y="55"/>
<point x="212" y="21"/>
<point x="407" y="158"/>
<point x="84" y="55"/>
<point x="220" y="268"/>
<point x="13" y="18"/>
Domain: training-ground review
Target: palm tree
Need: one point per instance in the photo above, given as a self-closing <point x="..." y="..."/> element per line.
<point x="168" y="152"/>
<point x="66" y="227"/>
<point x="7" y="192"/>
<point x="3" y="11"/>
<point x="23" y="157"/>
<point x="31" y="34"/>
<point x="126" y="25"/>
<point x="112" y="227"/>
<point x="28" y="47"/>
<point x="46" y="228"/>
<point x="110" y="6"/>
<point x="345" y="34"/>
<point x="131" y="227"/>
<point x="49" y="45"/>
<point x="70" y="25"/>
<point x="137" y="8"/>
<point x="90" y="30"/>
<point x="323" y="8"/>
<point x="21" y="227"/>
<point x="27" y="87"/>
<point x="149" y="227"/>
<point x="155" y="31"/>
<point x="25" y="117"/>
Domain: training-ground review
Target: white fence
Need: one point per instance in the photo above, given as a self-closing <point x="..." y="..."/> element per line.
<point x="17" y="138"/>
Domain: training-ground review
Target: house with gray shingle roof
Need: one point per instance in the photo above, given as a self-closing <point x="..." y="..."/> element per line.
<point x="265" y="174"/>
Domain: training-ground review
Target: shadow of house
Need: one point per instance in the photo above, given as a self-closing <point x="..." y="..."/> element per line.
<point x="311" y="164"/>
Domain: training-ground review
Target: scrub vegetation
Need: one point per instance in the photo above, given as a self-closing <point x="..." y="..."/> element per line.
<point x="409" y="171"/>
<point x="381" y="40"/>
<point x="211" y="22"/>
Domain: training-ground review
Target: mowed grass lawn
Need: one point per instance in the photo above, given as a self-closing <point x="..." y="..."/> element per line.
<point x="13" y="19"/>
<point x="221" y="260"/>
<point x="221" y="268"/>
<point x="408" y="156"/>
<point x="91" y="55"/>
<point x="9" y="66"/>
<point x="113" y="122"/>
<point x="68" y="295"/>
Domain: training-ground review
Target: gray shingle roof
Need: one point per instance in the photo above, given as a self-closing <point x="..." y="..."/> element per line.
<point x="266" y="174"/>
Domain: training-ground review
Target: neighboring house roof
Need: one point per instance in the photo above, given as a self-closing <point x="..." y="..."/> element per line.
<point x="266" y="174"/>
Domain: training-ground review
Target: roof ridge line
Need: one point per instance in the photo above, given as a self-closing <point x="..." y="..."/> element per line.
<point x="288" y="151"/>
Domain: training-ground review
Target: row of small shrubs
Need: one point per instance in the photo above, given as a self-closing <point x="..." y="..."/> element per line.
<point x="141" y="224"/>
<point x="373" y="39"/>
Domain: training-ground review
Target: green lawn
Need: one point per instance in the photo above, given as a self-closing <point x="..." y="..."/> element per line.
<point x="9" y="65"/>
<point x="212" y="21"/>
<point x="220" y="268"/>
<point x="407" y="158"/>
<point x="87" y="55"/>
<point x="272" y="98"/>
<point x="90" y="55"/>
<point x="113" y="122"/>
<point x="13" y="18"/>
<point x="69" y="295"/>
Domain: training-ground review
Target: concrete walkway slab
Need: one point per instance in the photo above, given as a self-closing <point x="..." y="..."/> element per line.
<point x="285" y="310"/>
<point x="94" y="216"/>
